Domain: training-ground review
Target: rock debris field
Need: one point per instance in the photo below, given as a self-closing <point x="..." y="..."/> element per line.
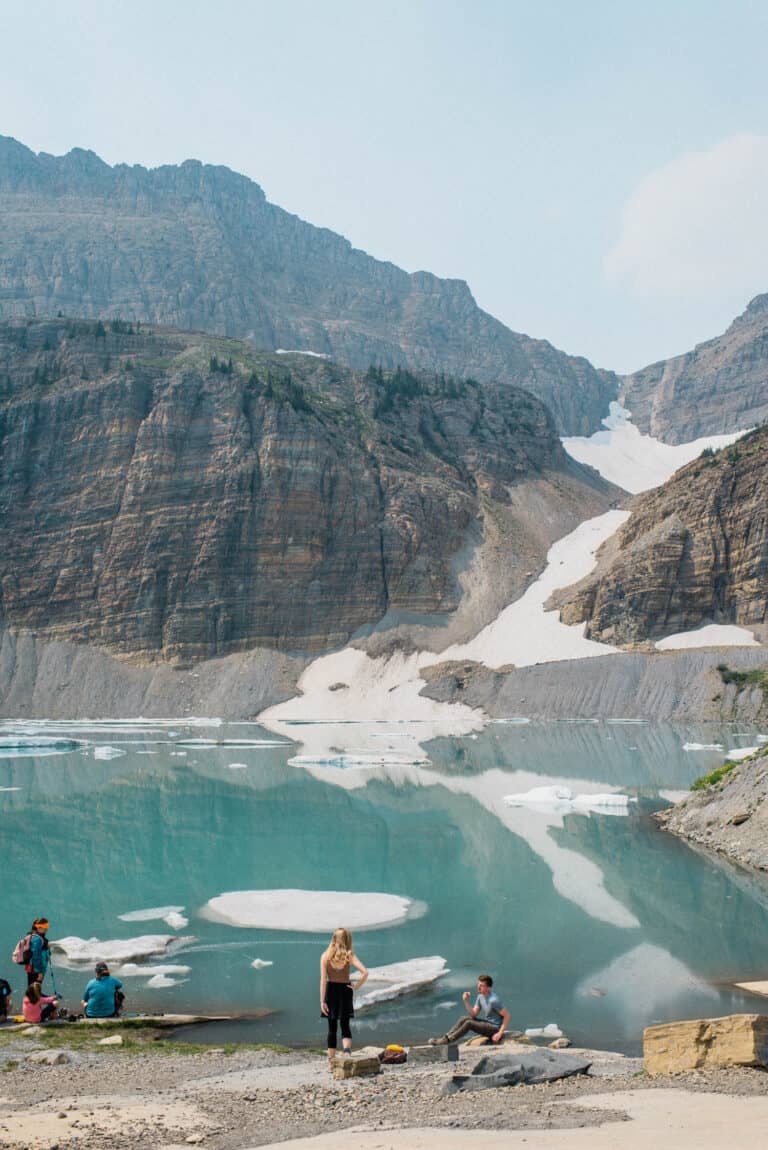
<point x="80" y="1095"/>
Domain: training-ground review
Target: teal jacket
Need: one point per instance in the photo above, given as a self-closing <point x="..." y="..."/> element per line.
<point x="39" y="955"/>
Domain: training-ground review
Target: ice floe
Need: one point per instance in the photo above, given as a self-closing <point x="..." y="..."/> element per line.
<point x="212" y="744"/>
<point x="107" y="752"/>
<point x="82" y="951"/>
<point x="312" y="911"/>
<point x="140" y="970"/>
<point x="702" y="746"/>
<point x="563" y="799"/>
<point x="713" y="635"/>
<point x="160" y="981"/>
<point x="625" y="456"/>
<point x="399" y="978"/>
<point x="6" y="789"/>
<point x="260" y="963"/>
<point x="170" y="914"/>
<point x="739" y="753"/>
<point x="237" y="766"/>
<point x="551" y="1030"/>
<point x="357" y="760"/>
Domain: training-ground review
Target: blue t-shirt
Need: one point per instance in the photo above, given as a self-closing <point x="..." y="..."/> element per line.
<point x="100" y="997"/>
<point x="490" y="1007"/>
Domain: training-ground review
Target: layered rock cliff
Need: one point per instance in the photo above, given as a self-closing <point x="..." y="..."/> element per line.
<point x="720" y="386"/>
<point x="693" y="551"/>
<point x="197" y="246"/>
<point x="169" y="495"/>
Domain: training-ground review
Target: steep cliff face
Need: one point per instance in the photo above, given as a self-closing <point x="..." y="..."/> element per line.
<point x="199" y="247"/>
<point x="693" y="551"/>
<point x="720" y="386"/>
<point x="170" y="495"/>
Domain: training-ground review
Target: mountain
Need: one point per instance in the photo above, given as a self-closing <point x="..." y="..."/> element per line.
<point x="693" y="551"/>
<point x="720" y="386"/>
<point x="199" y="247"/>
<point x="175" y="496"/>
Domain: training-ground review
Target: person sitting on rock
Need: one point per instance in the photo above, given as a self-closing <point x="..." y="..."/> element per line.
<point x="36" y="1006"/>
<point x="103" y="997"/>
<point x="487" y="1017"/>
<point x="5" y="999"/>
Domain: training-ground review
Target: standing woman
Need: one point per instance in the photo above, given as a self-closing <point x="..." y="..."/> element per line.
<point x="336" y="990"/>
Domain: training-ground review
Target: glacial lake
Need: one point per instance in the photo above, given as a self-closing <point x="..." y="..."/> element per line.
<point x="592" y="919"/>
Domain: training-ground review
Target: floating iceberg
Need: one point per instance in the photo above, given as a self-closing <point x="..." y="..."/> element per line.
<point x="358" y="760"/>
<point x="551" y="1030"/>
<point x="84" y="951"/>
<point x="238" y="766"/>
<point x="563" y="799"/>
<point x="107" y="752"/>
<point x="260" y="963"/>
<point x="211" y="744"/>
<point x="702" y="746"/>
<point x="398" y="978"/>
<point x="313" y="911"/>
<point x="160" y="981"/>
<point x="139" y="970"/>
<point x="150" y="913"/>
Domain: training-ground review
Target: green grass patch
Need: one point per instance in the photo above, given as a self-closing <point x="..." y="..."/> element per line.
<point x="712" y="778"/>
<point x="758" y="676"/>
<point x="138" y="1038"/>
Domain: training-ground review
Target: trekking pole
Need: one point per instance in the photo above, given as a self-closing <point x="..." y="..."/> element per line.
<point x="53" y="977"/>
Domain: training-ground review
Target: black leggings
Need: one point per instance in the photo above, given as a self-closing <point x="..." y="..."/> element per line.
<point x="346" y="1031"/>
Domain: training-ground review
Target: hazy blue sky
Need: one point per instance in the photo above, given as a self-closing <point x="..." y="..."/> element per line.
<point x="597" y="170"/>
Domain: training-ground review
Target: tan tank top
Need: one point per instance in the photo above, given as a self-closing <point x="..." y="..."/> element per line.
<point x="337" y="973"/>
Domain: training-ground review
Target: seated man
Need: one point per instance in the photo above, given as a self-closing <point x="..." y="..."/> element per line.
<point x="487" y="1016"/>
<point x="5" y="999"/>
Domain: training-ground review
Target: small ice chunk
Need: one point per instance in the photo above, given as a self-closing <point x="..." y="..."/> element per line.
<point x="259" y="963"/>
<point x="10" y="788"/>
<point x="739" y="753"/>
<point x="150" y="913"/>
<point x="563" y="799"/>
<point x="551" y="1030"/>
<point x="140" y="970"/>
<point x="238" y="766"/>
<point x="312" y="911"/>
<point x="107" y="752"/>
<point x="702" y="746"/>
<point x="160" y="981"/>
<point x="175" y="920"/>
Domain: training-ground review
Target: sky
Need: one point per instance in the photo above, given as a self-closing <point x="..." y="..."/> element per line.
<point x="596" y="170"/>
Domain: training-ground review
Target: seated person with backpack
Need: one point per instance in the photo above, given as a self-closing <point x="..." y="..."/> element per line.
<point x="103" y="997"/>
<point x="38" y="1007"/>
<point x="5" y="999"/>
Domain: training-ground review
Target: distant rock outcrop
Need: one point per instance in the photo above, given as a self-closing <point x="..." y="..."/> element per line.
<point x="694" y="551"/>
<point x="173" y="496"/>
<point x="720" y="386"/>
<point x="199" y="247"/>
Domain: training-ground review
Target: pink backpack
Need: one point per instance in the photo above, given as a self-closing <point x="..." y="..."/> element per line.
<point x="21" y="950"/>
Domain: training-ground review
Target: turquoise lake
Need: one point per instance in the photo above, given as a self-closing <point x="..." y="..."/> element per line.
<point x="597" y="922"/>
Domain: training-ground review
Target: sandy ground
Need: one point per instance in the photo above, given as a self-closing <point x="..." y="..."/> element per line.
<point x="663" y="1119"/>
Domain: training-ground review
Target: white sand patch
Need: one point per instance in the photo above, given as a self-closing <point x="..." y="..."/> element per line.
<point x="637" y="462"/>
<point x="702" y="746"/>
<point x="312" y="911"/>
<point x="739" y="753"/>
<point x="150" y="1119"/>
<point x="713" y="635"/>
<point x="396" y="979"/>
<point x="658" y="981"/>
<point x="563" y="799"/>
<point x="80" y="951"/>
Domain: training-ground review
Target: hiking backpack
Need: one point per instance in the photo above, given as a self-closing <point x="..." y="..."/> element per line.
<point x="22" y="950"/>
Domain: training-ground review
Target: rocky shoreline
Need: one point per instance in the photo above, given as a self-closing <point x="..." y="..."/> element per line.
<point x="728" y="816"/>
<point x="151" y="1095"/>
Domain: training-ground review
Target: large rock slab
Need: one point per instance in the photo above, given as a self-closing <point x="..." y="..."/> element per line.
<point x="355" y="1066"/>
<point x="735" y="1040"/>
<point x="516" y="1069"/>
<point x="424" y="1055"/>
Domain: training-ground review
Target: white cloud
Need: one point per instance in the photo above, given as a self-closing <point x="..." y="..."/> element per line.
<point x="696" y="227"/>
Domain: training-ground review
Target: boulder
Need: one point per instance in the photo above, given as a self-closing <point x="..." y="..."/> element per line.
<point x="735" y="1040"/>
<point x="49" y="1057"/>
<point x="354" y="1066"/>
<point x="423" y="1055"/>
<point x="515" y="1069"/>
<point x="113" y="1040"/>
